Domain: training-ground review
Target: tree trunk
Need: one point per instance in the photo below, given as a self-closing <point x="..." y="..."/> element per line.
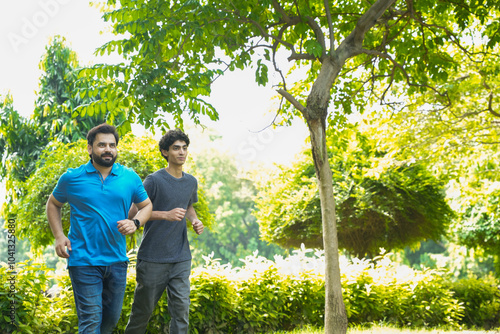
<point x="315" y="114"/>
<point x="335" y="314"/>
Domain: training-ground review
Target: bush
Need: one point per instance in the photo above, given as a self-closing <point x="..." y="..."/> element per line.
<point x="24" y="292"/>
<point x="264" y="296"/>
<point x="381" y="290"/>
<point x="481" y="300"/>
<point x="212" y="303"/>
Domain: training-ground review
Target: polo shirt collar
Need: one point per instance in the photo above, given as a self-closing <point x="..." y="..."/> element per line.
<point x="89" y="168"/>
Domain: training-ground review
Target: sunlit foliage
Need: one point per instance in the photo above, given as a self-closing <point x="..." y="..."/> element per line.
<point x="381" y="201"/>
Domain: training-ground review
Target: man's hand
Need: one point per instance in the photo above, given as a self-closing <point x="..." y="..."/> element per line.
<point x="61" y="243"/>
<point x="197" y="226"/>
<point x="126" y="226"/>
<point x="175" y="215"/>
<point x="53" y="208"/>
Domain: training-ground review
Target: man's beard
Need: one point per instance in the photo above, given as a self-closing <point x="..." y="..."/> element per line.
<point x="104" y="163"/>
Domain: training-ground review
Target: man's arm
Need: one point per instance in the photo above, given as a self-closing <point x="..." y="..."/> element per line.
<point x="53" y="210"/>
<point x="193" y="218"/>
<point x="141" y="211"/>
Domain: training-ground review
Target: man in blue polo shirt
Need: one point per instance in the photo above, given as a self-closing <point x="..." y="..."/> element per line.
<point x="100" y="194"/>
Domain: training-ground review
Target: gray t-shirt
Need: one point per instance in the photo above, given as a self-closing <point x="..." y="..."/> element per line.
<point x="166" y="241"/>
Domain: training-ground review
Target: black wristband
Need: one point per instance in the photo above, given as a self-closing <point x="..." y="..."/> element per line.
<point x="137" y="223"/>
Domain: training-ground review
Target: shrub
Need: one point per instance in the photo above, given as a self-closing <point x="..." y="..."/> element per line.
<point x="264" y="296"/>
<point x="212" y="302"/>
<point x="35" y="311"/>
<point x="382" y="290"/>
<point x="306" y="300"/>
<point x="481" y="300"/>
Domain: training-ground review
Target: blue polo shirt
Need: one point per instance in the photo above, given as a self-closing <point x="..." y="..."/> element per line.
<point x="96" y="207"/>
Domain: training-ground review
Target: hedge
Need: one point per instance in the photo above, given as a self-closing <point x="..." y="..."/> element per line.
<point x="265" y="296"/>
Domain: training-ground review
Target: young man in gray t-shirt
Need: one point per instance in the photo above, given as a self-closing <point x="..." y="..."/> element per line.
<point x="164" y="257"/>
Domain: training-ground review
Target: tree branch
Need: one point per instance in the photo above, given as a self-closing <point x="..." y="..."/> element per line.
<point x="320" y="37"/>
<point x="266" y="34"/>
<point x="490" y="98"/>
<point x="289" y="97"/>
<point x="352" y="44"/>
<point x="330" y="24"/>
<point x="399" y="66"/>
<point x="452" y="36"/>
<point x="301" y="56"/>
<point x="290" y="21"/>
<point x="281" y="11"/>
<point x="490" y="106"/>
<point x="276" y="68"/>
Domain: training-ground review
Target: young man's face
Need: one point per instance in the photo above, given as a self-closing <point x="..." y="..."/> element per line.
<point x="177" y="153"/>
<point x="103" y="151"/>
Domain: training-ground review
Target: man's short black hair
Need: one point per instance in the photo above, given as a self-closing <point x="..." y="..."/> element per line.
<point x="171" y="137"/>
<point x="101" y="128"/>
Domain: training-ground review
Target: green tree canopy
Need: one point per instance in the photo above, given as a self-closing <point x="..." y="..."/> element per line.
<point x="457" y="135"/>
<point x="381" y="203"/>
<point x="176" y="50"/>
<point x="61" y="92"/>
<point x="23" y="139"/>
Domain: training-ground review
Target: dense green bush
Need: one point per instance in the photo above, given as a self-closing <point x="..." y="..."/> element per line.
<point x="264" y="295"/>
<point x="382" y="291"/>
<point x="212" y="300"/>
<point x="24" y="290"/>
<point x="481" y="301"/>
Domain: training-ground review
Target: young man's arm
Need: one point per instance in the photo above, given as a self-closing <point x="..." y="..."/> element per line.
<point x="53" y="210"/>
<point x="193" y="218"/>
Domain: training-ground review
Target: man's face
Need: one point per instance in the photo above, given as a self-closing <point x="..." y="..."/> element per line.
<point x="177" y="153"/>
<point x="103" y="151"/>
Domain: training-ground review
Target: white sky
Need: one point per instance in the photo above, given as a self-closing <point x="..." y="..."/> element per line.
<point x="244" y="108"/>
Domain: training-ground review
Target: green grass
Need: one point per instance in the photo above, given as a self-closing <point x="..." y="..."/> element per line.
<point x="388" y="330"/>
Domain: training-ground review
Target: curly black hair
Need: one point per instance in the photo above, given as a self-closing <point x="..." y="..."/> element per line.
<point x="171" y="137"/>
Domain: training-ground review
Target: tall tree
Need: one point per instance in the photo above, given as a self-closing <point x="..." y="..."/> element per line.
<point x="174" y="50"/>
<point x="61" y="92"/>
<point x="22" y="139"/>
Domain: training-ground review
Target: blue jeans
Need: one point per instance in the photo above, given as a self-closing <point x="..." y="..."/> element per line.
<point x="152" y="280"/>
<point x="98" y="292"/>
